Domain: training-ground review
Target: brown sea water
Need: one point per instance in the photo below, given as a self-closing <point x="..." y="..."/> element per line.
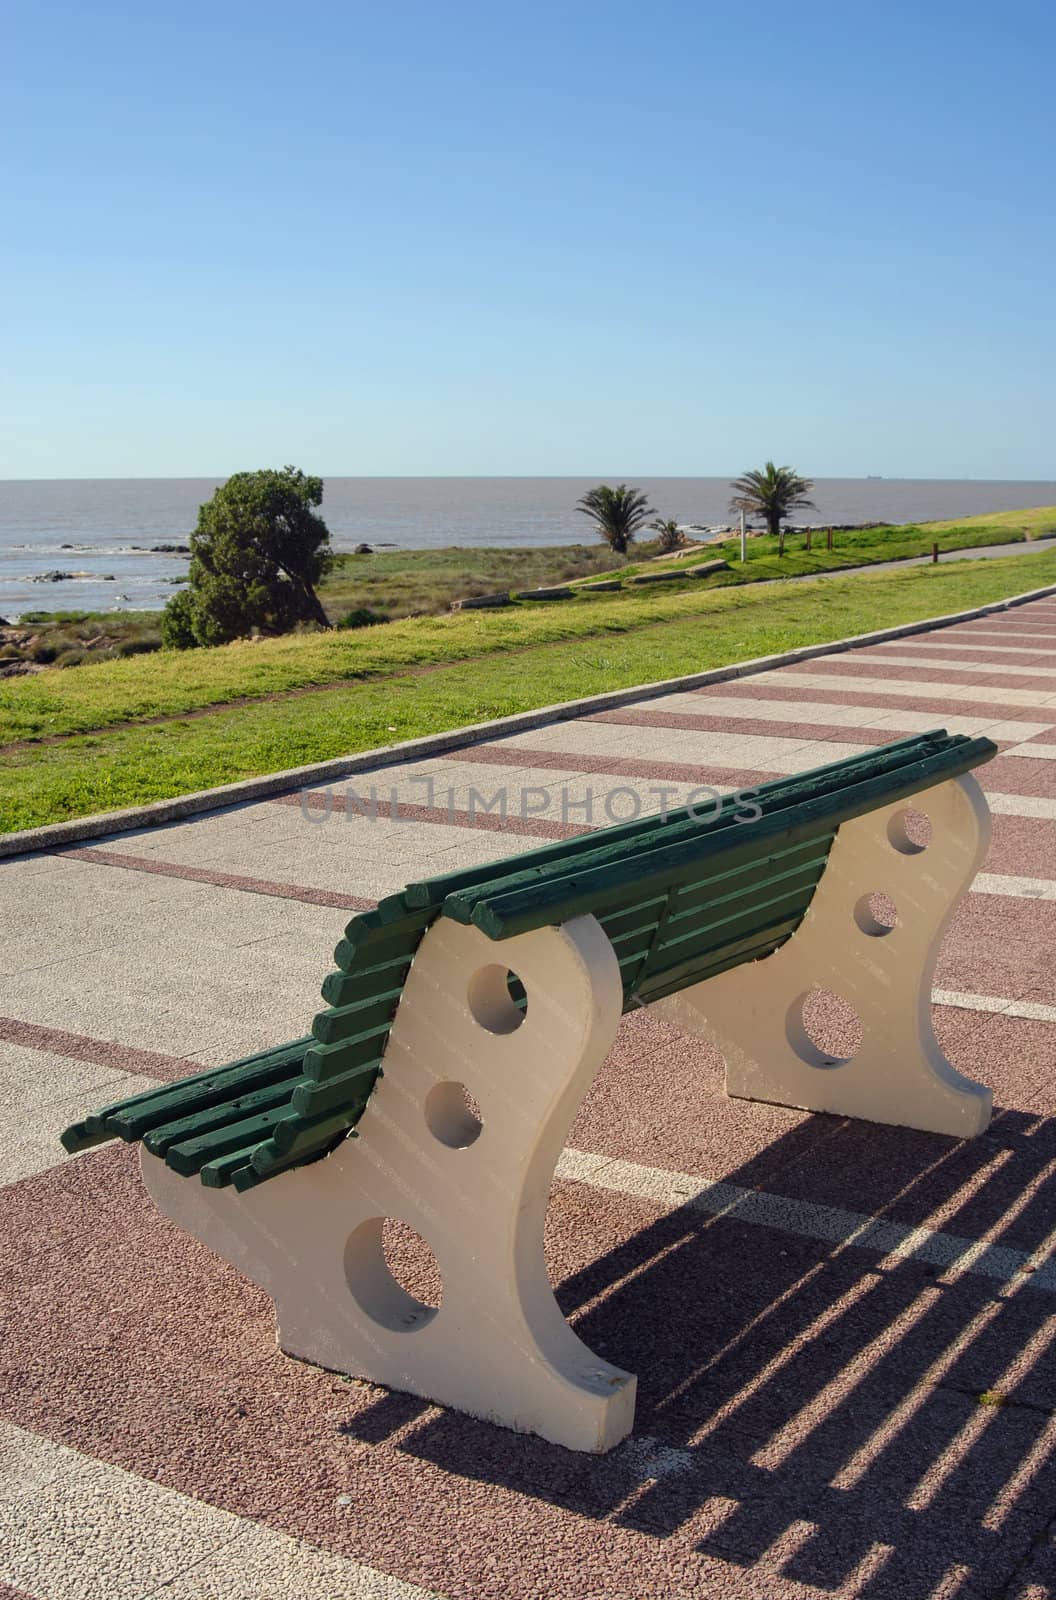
<point x="92" y="526"/>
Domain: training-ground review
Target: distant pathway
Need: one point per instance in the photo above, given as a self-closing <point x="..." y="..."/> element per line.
<point x="987" y="551"/>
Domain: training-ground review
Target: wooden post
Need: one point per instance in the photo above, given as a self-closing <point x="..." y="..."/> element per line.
<point x="934" y="552"/>
<point x="781" y="542"/>
<point x="828" y="538"/>
<point x="744" y="550"/>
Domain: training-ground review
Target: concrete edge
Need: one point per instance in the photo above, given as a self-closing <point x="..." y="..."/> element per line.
<point x="55" y="835"/>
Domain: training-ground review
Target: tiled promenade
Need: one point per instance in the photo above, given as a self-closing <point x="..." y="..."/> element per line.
<point x="809" y="1420"/>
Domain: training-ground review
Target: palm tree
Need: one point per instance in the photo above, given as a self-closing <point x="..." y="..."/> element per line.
<point x="669" y="535"/>
<point x="772" y="494"/>
<point x="617" y="513"/>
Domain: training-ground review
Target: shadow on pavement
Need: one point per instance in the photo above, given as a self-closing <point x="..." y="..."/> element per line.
<point x="817" y="1408"/>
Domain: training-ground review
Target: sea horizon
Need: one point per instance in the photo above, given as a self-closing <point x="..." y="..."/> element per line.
<point x="102" y="530"/>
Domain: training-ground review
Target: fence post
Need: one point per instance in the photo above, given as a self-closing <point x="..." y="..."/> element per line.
<point x="935" y="552"/>
<point x="828" y="538"/>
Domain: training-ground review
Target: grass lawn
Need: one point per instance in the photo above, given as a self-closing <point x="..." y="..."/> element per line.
<point x="404" y="583"/>
<point x="169" y="683"/>
<point x="535" y="656"/>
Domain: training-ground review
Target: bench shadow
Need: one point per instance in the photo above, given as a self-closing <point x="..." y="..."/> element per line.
<point x="863" y="1422"/>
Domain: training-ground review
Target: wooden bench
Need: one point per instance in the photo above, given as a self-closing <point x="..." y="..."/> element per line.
<point x="467" y="1017"/>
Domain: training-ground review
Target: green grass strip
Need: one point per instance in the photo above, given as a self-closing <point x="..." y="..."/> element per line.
<point x="132" y="765"/>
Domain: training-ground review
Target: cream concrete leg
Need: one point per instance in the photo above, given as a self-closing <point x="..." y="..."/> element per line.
<point x="498" y="1347"/>
<point x="753" y="1014"/>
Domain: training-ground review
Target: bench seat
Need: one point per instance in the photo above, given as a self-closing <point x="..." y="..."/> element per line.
<point x="681" y="898"/>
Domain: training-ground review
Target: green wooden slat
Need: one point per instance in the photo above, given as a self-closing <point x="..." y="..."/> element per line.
<point x="327" y="1061"/>
<point x="159" y="1138"/>
<point x="376" y="1011"/>
<point x="434" y="891"/>
<point x="635" y="914"/>
<point x="697" y="907"/>
<point x="607" y="852"/>
<point x="799" y="881"/>
<point x="583" y="893"/>
<point x="344" y="988"/>
<point x="720" y="879"/>
<point x="130" y="1119"/>
<point x="300" y="1136"/>
<point x="384" y="934"/>
<point x="311" y="1099"/>
<point x="649" y="833"/>
<point x="789" y="899"/>
<point x="220" y="1172"/>
<point x="753" y="948"/>
<point x="191" y="1154"/>
<point x="247" y="1177"/>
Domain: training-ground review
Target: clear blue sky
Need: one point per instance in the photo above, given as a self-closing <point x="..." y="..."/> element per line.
<point x="534" y="238"/>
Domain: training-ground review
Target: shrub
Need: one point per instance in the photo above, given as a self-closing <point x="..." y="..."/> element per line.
<point x="138" y="647"/>
<point x="177" y="622"/>
<point x="361" y="617"/>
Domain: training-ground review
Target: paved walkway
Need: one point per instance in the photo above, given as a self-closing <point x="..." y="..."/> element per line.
<point x="809" y="1420"/>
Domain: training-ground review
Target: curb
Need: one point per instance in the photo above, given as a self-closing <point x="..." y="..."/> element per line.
<point x="56" y="835"/>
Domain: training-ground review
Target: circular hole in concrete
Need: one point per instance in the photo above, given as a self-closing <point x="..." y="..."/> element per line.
<point x="452" y="1115"/>
<point x="393" y="1274"/>
<point x="824" y="1029"/>
<point x="876" y="914"/>
<point x="497" y="998"/>
<point x="909" y="831"/>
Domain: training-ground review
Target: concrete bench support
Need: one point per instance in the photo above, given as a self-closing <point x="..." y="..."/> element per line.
<point x="753" y="1014"/>
<point x="498" y="1347"/>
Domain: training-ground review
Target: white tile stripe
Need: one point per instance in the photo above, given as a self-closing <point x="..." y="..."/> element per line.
<point x="1037" y="752"/>
<point x="964" y="1000"/>
<point x="860" y="682"/>
<point x="1021" y="805"/>
<point x="886" y="720"/>
<point x="72" y="1527"/>
<point x="885" y="657"/>
<point x="985" y="649"/>
<point x="969" y="631"/>
<point x="1019" y="888"/>
<point x="828" y="1224"/>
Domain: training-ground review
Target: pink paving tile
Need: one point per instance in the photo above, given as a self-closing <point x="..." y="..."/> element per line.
<point x="981" y="651"/>
<point x="1001" y="946"/>
<point x="691" y="722"/>
<point x="100" y="1052"/>
<point x="1008" y="774"/>
<point x="221" y="880"/>
<point x="668" y="1108"/>
<point x="865" y="664"/>
<point x="1023" y="846"/>
<point x="506" y="755"/>
<point x="444" y="816"/>
<point x="152" y="1355"/>
<point x="1036" y="1579"/>
<point x="769" y="688"/>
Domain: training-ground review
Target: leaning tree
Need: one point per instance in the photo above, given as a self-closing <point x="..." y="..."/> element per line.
<point x="257" y="554"/>
<point x="771" y="494"/>
<point x="616" y="513"/>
